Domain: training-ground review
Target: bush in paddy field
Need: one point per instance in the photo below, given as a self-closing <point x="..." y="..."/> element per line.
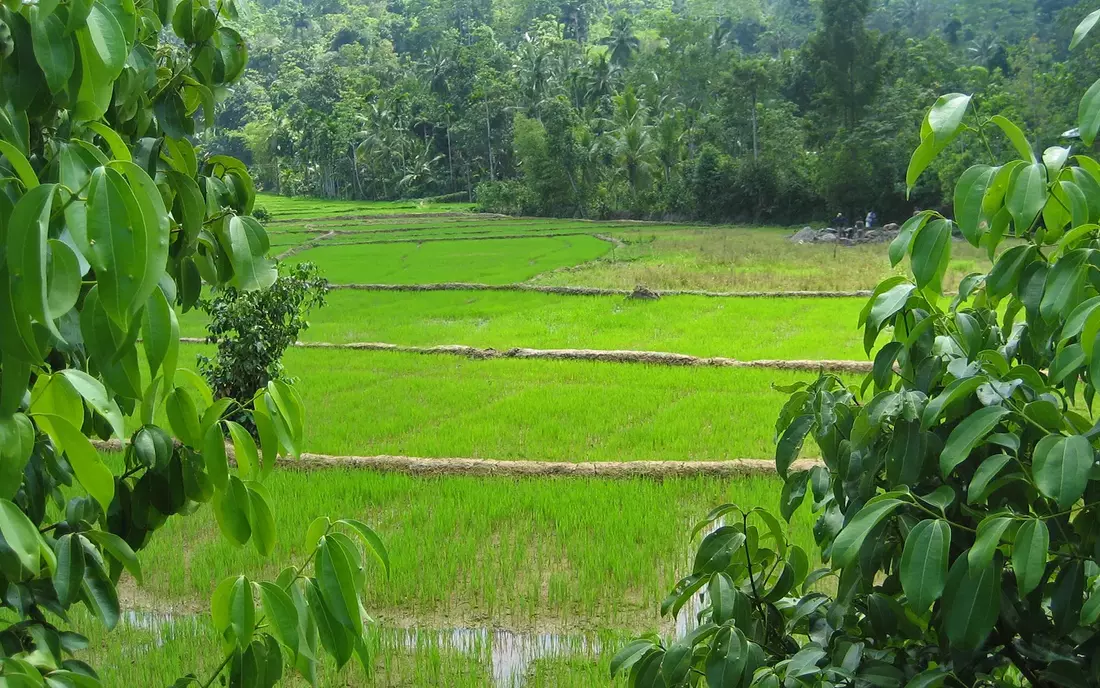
<point x="108" y="221"/>
<point x="959" y="493"/>
<point x="252" y="330"/>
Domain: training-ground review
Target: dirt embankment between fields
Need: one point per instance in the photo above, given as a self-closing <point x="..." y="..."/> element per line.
<point x="414" y="465"/>
<point x="598" y="291"/>
<point x="598" y="355"/>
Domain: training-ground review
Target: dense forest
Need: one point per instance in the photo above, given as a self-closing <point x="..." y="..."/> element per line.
<point x="751" y="110"/>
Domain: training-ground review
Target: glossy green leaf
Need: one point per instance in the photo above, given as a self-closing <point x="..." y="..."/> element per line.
<point x="370" y="539"/>
<point x="1088" y="114"/>
<point x="160" y="335"/>
<point x="96" y="396"/>
<point x="70" y="567"/>
<point x="978" y="489"/>
<point x="108" y="39"/>
<point x="90" y="470"/>
<point x="231" y="511"/>
<point x="20" y="535"/>
<point x="242" y="611"/>
<point x="924" y="562"/>
<point x="956" y="392"/>
<point x="986" y="541"/>
<point x="28" y="232"/>
<point x="99" y="593"/>
<point x="899" y="247"/>
<point x="262" y="522"/>
<point x="847" y="544"/>
<point x="969" y="193"/>
<point x="183" y="416"/>
<point x="717" y="550"/>
<point x="969" y="434"/>
<point x="282" y="615"/>
<point x="1084" y="28"/>
<point x="1016" y="137"/>
<point x="1027" y="194"/>
<point x="117" y="548"/>
<point x="244" y="449"/>
<point x="971" y="603"/>
<point x="931" y="253"/>
<point x="337" y="583"/>
<point x="16" y="445"/>
<point x="790" y="444"/>
<point x="53" y="49"/>
<point x="1063" y="285"/>
<point x="1061" y="467"/>
<point x="246" y="244"/>
<point x="726" y="660"/>
<point x="213" y="452"/>
<point x="1029" y="555"/>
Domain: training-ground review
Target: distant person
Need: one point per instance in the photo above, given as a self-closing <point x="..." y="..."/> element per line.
<point x="872" y="219"/>
<point x="840" y="221"/>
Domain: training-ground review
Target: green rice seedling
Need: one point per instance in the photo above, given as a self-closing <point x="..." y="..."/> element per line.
<point x="742" y="328"/>
<point x="496" y="261"/>
<point x="284" y="207"/>
<point x="542" y="554"/>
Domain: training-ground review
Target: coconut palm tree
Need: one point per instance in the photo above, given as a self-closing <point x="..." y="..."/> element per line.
<point x="622" y="42"/>
<point x="634" y="154"/>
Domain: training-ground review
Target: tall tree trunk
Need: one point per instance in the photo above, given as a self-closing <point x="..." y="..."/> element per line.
<point x="450" y="159"/>
<point x="489" y="141"/>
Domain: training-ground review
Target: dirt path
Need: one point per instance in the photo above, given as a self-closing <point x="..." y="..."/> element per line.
<point x="414" y="465"/>
<point x="599" y="291"/>
<point x="599" y="355"/>
<point x="304" y="246"/>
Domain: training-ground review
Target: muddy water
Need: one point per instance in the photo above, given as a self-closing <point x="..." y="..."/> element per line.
<point x="508" y="654"/>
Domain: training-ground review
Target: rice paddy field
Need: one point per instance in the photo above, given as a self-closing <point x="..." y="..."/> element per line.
<point x="506" y="581"/>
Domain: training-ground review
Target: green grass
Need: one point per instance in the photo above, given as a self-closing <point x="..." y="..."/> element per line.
<point x="739" y="259"/>
<point x="744" y="328"/>
<point x="362" y="402"/>
<point x="287" y="208"/>
<point x="571" y="555"/>
<point x="496" y="261"/>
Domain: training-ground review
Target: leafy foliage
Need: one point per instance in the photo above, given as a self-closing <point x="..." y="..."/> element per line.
<point x="252" y="330"/>
<point x="958" y="499"/>
<point x="109" y="221"/>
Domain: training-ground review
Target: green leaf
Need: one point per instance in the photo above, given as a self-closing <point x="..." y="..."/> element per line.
<point x="1029" y="555"/>
<point x="954" y="393"/>
<point x="262" y="522"/>
<point x="337" y="583"/>
<point x="790" y="444"/>
<point x="929" y="678"/>
<point x="1088" y="114"/>
<point x="717" y="549"/>
<point x="1063" y="284"/>
<point x="370" y="539"/>
<point x="930" y="254"/>
<point x="1069" y="360"/>
<point x="924" y="563"/>
<point x="726" y="660"/>
<point x="110" y="43"/>
<point x="793" y="494"/>
<point x="116" y="244"/>
<point x="246" y="245"/>
<point x="53" y="49"/>
<point x="282" y="615"/>
<point x="28" y="230"/>
<point x="90" y="470"/>
<point x="242" y="611"/>
<point x="986" y="540"/>
<point x="1016" y="137"/>
<point x="62" y="278"/>
<point x="184" y="417"/>
<point x="21" y="535"/>
<point x="969" y="193"/>
<point x="676" y="664"/>
<point x="99" y="593"/>
<point x="1027" y="194"/>
<point x="244" y="449"/>
<point x="899" y="247"/>
<point x="1083" y="28"/>
<point x="217" y="464"/>
<point x="887" y="304"/>
<point x="723" y="597"/>
<point x="19" y="164"/>
<point x="977" y="490"/>
<point x="16" y="446"/>
<point x="971" y="603"/>
<point x="117" y="548"/>
<point x="231" y="507"/>
<point x="631" y="653"/>
<point x="95" y="394"/>
<point x="269" y="438"/>
<point x="847" y="544"/>
<point x="1061" y="467"/>
<point x="160" y="335"/>
<point x="70" y="568"/>
<point x="967" y="435"/>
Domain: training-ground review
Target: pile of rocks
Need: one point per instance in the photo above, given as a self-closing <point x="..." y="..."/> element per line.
<point x="846" y="236"/>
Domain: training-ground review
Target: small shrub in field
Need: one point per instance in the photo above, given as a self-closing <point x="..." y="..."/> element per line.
<point x="958" y="496"/>
<point x="252" y="329"/>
